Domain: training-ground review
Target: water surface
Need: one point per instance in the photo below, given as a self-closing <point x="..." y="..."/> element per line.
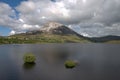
<point x="95" y="62"/>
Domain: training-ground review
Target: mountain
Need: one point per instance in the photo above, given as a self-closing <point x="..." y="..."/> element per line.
<point x="51" y="32"/>
<point x="55" y="28"/>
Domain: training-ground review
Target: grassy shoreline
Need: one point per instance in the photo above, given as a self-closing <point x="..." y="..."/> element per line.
<point x="37" y="39"/>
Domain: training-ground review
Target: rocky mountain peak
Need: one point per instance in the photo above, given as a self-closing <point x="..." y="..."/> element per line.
<point x="54" y="28"/>
<point x="50" y="26"/>
<point x="57" y="28"/>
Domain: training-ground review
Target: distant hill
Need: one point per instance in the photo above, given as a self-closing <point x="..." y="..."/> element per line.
<point x="109" y="38"/>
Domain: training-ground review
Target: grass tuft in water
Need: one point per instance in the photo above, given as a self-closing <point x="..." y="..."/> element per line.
<point x="29" y="58"/>
<point x="70" y="64"/>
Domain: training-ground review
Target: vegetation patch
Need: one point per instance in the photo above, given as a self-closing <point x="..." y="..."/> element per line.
<point x="114" y="41"/>
<point x="29" y="58"/>
<point x="41" y="38"/>
<point x="70" y="64"/>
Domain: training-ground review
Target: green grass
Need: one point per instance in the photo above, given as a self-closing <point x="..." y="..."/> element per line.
<point x="70" y="64"/>
<point x="29" y="58"/>
<point x="114" y="42"/>
<point x="41" y="38"/>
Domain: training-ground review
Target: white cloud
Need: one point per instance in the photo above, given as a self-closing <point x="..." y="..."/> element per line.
<point x="6" y="14"/>
<point x="30" y="27"/>
<point x="12" y="32"/>
<point x="26" y="7"/>
<point x="21" y="20"/>
<point x="89" y="17"/>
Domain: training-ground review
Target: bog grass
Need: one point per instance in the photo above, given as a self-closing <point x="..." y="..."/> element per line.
<point x="29" y="58"/>
<point x="70" y="64"/>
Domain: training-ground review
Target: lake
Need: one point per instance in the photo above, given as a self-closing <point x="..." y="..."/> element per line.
<point x="95" y="62"/>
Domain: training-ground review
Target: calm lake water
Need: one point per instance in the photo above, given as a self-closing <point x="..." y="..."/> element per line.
<point x="95" y="62"/>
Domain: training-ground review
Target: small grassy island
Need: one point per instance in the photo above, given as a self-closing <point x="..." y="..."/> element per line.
<point x="29" y="58"/>
<point x="70" y="64"/>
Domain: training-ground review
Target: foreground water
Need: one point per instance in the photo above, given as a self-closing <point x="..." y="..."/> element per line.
<point x="95" y="62"/>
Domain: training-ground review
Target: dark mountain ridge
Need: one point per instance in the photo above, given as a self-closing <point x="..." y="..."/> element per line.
<point x="104" y="38"/>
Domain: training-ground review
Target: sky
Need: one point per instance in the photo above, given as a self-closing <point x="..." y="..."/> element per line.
<point x="91" y="18"/>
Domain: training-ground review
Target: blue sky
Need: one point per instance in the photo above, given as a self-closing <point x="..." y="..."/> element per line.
<point x="4" y="31"/>
<point x="12" y="3"/>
